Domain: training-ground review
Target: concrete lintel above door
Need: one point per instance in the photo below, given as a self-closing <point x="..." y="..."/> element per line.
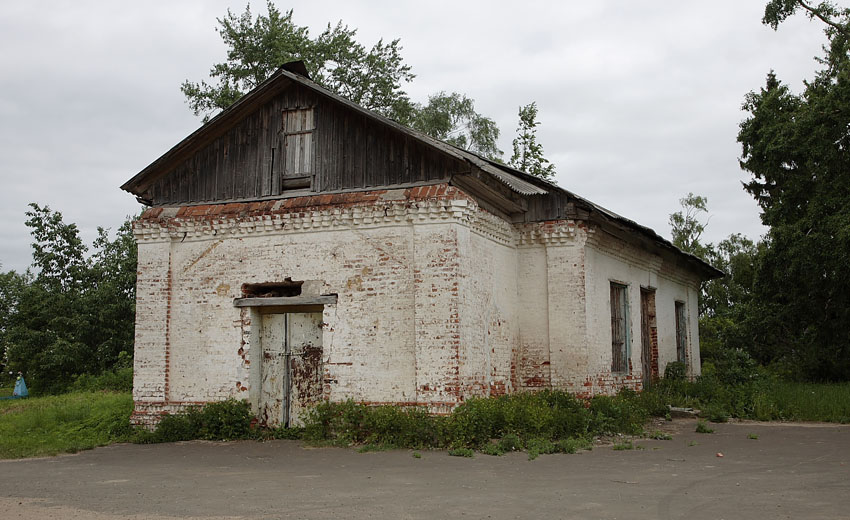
<point x="327" y="299"/>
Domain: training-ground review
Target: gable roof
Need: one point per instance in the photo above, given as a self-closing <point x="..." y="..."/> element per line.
<point x="278" y="81"/>
<point x="517" y="181"/>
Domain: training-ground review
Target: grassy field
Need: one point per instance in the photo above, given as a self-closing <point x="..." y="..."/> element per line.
<point x="66" y="423"/>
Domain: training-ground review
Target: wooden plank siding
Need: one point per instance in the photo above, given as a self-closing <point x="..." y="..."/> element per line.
<point x="346" y="150"/>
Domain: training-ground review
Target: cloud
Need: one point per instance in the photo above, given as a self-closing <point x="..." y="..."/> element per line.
<point x="639" y="103"/>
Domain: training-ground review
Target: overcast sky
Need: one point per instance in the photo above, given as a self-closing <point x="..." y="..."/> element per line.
<point x="639" y="101"/>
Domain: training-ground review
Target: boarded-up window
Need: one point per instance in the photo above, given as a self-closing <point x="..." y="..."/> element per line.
<point x="296" y="149"/>
<point x="619" y="328"/>
<point x="681" y="333"/>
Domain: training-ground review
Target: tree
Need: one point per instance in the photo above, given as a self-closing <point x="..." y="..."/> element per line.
<point x="528" y="153"/>
<point x="686" y="228"/>
<point x="452" y="118"/>
<point x="76" y="314"/>
<point x="797" y="149"/>
<point x="334" y="59"/>
<point x="724" y="302"/>
<point x="374" y="79"/>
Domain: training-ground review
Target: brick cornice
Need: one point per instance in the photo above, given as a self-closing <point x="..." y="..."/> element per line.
<point x="420" y="205"/>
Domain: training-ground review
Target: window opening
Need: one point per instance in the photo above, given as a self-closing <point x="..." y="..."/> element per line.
<point x="681" y="333"/>
<point x="619" y="328"/>
<point x="297" y="156"/>
<point x="284" y="289"/>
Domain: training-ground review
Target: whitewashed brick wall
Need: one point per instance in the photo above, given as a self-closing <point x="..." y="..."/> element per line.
<point x="437" y="300"/>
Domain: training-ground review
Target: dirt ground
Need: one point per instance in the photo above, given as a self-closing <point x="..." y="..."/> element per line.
<point x="790" y="471"/>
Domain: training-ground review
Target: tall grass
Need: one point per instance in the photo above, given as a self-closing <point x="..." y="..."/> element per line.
<point x="766" y="399"/>
<point x="63" y="423"/>
<point x="803" y="402"/>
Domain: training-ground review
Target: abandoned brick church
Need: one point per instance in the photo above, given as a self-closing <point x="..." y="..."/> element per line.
<point x="300" y="248"/>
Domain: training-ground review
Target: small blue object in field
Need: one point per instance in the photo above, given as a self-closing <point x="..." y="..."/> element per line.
<point x="20" y="388"/>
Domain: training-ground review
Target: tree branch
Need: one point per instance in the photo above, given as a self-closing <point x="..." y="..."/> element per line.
<point x="816" y="13"/>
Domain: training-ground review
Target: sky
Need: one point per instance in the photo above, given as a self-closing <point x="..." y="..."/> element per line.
<point x="639" y="102"/>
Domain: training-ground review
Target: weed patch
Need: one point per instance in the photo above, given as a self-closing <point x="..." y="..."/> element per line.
<point x="573" y="445"/>
<point x="462" y="452"/>
<point x="702" y="427"/>
<point x="537" y="447"/>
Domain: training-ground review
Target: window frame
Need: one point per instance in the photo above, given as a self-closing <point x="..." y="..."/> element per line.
<point x="620" y="328"/>
<point x="681" y="313"/>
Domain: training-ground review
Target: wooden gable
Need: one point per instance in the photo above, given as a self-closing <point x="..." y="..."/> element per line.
<point x="296" y="143"/>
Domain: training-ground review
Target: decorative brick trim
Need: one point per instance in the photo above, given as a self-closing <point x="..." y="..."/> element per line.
<point x="424" y="204"/>
<point x="550" y="232"/>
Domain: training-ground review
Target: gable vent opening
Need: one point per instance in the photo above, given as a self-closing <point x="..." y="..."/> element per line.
<point x="286" y="288"/>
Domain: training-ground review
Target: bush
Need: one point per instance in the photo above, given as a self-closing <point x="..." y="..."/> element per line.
<point x="220" y="421"/>
<point x="224" y="420"/>
<point x="462" y="452"/>
<point x="350" y="423"/>
<point x="510" y="442"/>
<point x="620" y="414"/>
<point x="537" y="447"/>
<point x="492" y="449"/>
<point x="702" y="427"/>
<point x="572" y="445"/>
<point x="734" y="366"/>
<point x="548" y="415"/>
<point x="676" y="371"/>
<point x="118" y="380"/>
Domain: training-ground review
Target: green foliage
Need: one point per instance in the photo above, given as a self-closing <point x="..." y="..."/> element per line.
<point x="660" y="436"/>
<point x="256" y="47"/>
<point x="374" y="78"/>
<point x="452" y="118"/>
<point x="725" y="303"/>
<point x="516" y="420"/>
<point x="118" y="380"/>
<point x="795" y="146"/>
<point x="67" y="423"/>
<point x="492" y="449"/>
<point x="528" y="153"/>
<point x="676" y="371"/>
<point x="537" y="447"/>
<point x="621" y="414"/>
<point x="462" y="452"/>
<point x="223" y="420"/>
<point x="752" y="436"/>
<point x="623" y="446"/>
<point x="510" y="442"/>
<point x="70" y="315"/>
<point x="573" y="445"/>
<point x="735" y="367"/>
<point x="686" y="228"/>
<point x="702" y="427"/>
<point x="349" y="423"/>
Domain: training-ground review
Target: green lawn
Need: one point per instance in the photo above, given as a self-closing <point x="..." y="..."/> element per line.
<point x="66" y="423"/>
